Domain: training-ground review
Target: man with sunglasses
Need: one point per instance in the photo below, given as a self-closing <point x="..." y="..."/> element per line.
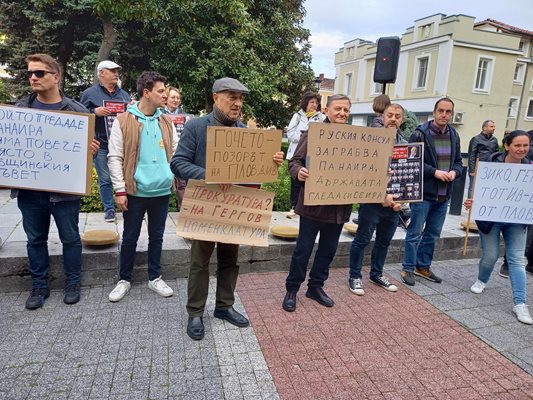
<point x="44" y="74"/>
<point x="93" y="98"/>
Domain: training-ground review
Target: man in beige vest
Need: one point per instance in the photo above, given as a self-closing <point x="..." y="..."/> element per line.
<point x="140" y="147"/>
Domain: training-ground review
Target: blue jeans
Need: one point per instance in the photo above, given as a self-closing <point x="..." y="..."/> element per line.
<point x="427" y="218"/>
<point x="36" y="210"/>
<point x="104" y="180"/>
<point x="327" y="246"/>
<point x="514" y="237"/>
<point x="383" y="220"/>
<point x="157" y="210"/>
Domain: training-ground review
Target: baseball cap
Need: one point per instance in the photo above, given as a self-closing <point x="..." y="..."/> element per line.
<point x="223" y="84"/>
<point x="106" y="64"/>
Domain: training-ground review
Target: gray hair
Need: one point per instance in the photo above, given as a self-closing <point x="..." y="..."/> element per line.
<point x="336" y="97"/>
<point x="485" y="123"/>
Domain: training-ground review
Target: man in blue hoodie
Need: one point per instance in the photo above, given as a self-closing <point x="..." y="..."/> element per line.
<point x="141" y="145"/>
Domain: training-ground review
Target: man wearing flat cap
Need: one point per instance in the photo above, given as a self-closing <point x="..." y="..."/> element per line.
<point x="106" y="90"/>
<point x="188" y="162"/>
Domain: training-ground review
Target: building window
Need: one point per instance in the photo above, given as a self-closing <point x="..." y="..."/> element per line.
<point x="519" y="73"/>
<point x="376" y="88"/>
<point x="512" y="112"/>
<point x="421" y="72"/>
<point x="348" y="85"/>
<point x="529" y="113"/>
<point x="483" y="74"/>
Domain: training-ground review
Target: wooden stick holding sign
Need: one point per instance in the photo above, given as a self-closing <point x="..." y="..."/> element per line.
<point x="470" y="209"/>
<point x="241" y="155"/>
<point x="240" y="216"/>
<point x="347" y="164"/>
<point x="46" y="150"/>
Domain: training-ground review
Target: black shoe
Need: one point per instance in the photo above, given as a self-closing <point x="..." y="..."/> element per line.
<point x="318" y="294"/>
<point x="71" y="293"/>
<point x="232" y="316"/>
<point x="408" y="277"/>
<point x="529" y="268"/>
<point x="504" y="270"/>
<point x="289" y="302"/>
<point x="37" y="298"/>
<point x="384" y="283"/>
<point x="195" y="328"/>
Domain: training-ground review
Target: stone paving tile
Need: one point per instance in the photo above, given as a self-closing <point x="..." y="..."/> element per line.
<point x="134" y="349"/>
<point x="376" y="345"/>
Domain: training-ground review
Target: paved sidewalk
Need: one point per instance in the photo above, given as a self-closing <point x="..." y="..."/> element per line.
<point x="394" y="345"/>
<point x="413" y="344"/>
<point x="134" y="349"/>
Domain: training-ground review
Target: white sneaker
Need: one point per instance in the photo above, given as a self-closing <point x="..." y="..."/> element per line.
<point x="159" y="286"/>
<point x="119" y="291"/>
<point x="478" y="287"/>
<point x="522" y="314"/>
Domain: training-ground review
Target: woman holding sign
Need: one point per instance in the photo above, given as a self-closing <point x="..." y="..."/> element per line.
<point x="514" y="235"/>
<point x="309" y="112"/>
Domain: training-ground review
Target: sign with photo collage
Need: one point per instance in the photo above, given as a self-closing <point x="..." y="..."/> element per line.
<point x="179" y="121"/>
<point x="407" y="165"/>
<point x="116" y="108"/>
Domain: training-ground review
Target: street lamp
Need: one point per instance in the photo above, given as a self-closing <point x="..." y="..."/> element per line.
<point x="317" y="82"/>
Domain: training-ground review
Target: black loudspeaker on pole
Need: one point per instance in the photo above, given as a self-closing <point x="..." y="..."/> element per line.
<point x="387" y="60"/>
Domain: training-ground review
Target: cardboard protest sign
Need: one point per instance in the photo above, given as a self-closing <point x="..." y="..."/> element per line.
<point x="116" y="107"/>
<point x="241" y="155"/>
<point x="407" y="165"/>
<point x="44" y="150"/>
<point x="347" y="164"/>
<point x="241" y="215"/>
<point x="503" y="192"/>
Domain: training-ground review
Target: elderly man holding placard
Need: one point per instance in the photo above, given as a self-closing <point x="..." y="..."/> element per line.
<point x="105" y="100"/>
<point x="189" y="162"/>
<point x="327" y="220"/>
<point x="44" y="74"/>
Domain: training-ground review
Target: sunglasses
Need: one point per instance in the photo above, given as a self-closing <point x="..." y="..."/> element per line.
<point x="39" y="73"/>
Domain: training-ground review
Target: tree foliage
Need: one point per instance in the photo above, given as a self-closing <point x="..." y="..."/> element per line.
<point x="410" y="122"/>
<point x="193" y="42"/>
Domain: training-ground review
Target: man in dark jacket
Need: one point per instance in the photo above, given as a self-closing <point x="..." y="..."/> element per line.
<point x="327" y="220"/>
<point x="44" y="74"/>
<point x="93" y="98"/>
<point x="189" y="163"/>
<point x="481" y="147"/>
<point x="442" y="165"/>
<point x="380" y="218"/>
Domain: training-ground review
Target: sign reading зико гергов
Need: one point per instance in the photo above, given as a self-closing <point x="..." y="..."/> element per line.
<point x="503" y="192"/>
<point x="44" y="150"/>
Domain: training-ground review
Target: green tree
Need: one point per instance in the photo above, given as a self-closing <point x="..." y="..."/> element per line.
<point x="261" y="42"/>
<point x="410" y="122"/>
